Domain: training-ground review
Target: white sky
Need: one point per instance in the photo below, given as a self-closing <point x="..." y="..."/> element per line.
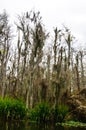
<point x="71" y="13"/>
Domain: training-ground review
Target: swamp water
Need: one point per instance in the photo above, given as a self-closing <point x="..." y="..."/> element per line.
<point x="32" y="126"/>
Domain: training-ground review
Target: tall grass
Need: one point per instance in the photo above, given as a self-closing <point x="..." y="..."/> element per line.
<point x="12" y="109"/>
<point x="40" y="112"/>
<point x="43" y="112"/>
<point x="59" y="112"/>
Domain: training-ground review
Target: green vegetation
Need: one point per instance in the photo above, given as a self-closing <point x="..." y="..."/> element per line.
<point x="12" y="109"/>
<point x="60" y="112"/>
<point x="73" y="124"/>
<point x="42" y="112"/>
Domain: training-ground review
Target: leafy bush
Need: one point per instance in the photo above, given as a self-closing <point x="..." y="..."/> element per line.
<point x="12" y="109"/>
<point x="40" y="112"/>
<point x="59" y="113"/>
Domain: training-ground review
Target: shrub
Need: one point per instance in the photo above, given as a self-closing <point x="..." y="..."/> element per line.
<point x="12" y="109"/>
<point x="40" y="112"/>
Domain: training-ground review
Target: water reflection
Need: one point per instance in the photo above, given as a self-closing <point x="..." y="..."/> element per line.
<point x="32" y="126"/>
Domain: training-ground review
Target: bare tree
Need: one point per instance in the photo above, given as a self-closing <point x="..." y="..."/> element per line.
<point x="5" y="36"/>
<point x="82" y="69"/>
<point x="77" y="72"/>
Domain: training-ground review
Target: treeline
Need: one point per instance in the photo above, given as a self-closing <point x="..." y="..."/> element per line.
<point x="38" y="69"/>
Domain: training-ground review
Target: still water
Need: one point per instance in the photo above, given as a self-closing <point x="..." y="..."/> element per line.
<point x="32" y="126"/>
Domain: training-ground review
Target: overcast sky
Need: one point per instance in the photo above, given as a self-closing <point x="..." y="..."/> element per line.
<point x="71" y="13"/>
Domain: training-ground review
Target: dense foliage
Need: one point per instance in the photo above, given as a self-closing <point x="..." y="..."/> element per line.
<point x="59" y="113"/>
<point x="40" y="113"/>
<point x="43" y="112"/>
<point x="12" y="109"/>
